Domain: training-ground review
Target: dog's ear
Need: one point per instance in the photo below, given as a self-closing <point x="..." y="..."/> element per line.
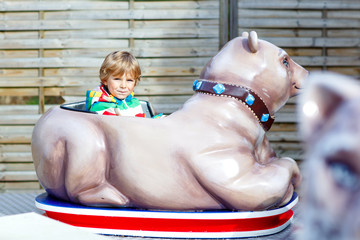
<point x="253" y="42"/>
<point x="245" y="34"/>
<point x="322" y="96"/>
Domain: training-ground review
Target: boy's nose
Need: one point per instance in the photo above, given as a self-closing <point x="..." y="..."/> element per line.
<point x="122" y="83"/>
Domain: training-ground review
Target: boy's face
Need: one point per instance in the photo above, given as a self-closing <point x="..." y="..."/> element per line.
<point x="120" y="86"/>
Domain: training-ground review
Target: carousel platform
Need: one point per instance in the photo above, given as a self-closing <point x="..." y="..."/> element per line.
<point x="17" y="206"/>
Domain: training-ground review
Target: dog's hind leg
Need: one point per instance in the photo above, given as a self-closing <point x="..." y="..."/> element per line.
<point x="102" y="195"/>
<point x="88" y="173"/>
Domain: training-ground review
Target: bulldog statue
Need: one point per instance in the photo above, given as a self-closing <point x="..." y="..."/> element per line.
<point x="330" y="113"/>
<point x="210" y="154"/>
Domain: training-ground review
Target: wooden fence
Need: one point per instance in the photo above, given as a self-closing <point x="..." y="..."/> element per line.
<point x="51" y="52"/>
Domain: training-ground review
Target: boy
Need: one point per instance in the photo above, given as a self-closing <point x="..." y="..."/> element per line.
<point x="119" y="74"/>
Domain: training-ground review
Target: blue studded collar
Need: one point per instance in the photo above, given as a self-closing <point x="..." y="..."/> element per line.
<point x="243" y="94"/>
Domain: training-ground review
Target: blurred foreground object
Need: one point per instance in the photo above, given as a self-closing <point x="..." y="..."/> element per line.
<point x="330" y="111"/>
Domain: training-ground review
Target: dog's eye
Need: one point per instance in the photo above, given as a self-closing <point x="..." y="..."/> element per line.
<point x="344" y="175"/>
<point x="286" y="62"/>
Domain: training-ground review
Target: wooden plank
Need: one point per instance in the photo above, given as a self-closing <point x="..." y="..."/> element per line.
<point x="283" y="136"/>
<point x="62" y="43"/>
<point x="337" y="13"/>
<point x="138" y="52"/>
<point x="60" y="5"/>
<point x="10" y="16"/>
<point x="282" y="117"/>
<point x="16" y="157"/>
<point x="291" y="106"/>
<point x="49" y="62"/>
<point x="5" y="73"/>
<point x="71" y="72"/>
<point x="41" y="99"/>
<point x="17" y="167"/>
<point x="19" y="53"/>
<point x="19" y="35"/>
<point x="182" y="23"/>
<point x="15" y="134"/>
<point x="135" y="33"/>
<point x="167" y="80"/>
<point x="278" y="13"/>
<point x="288" y="146"/>
<point x="29" y="185"/>
<point x="34" y="82"/>
<point x="283" y="127"/>
<point x="176" y="43"/>
<point x="20" y="25"/>
<point x="233" y="19"/>
<point x="351" y="33"/>
<point x="19" y="119"/>
<point x="297" y="155"/>
<point x="314" y="42"/>
<point x="18" y="176"/>
<point x="223" y="23"/>
<point x="344" y="51"/>
<point x="21" y="109"/>
<point x="176" y="4"/>
<point x="16" y="129"/>
<point x="18" y="91"/>
<point x="135" y="14"/>
<point x="298" y="23"/>
<point x="105" y="43"/>
<point x="294" y="4"/>
<point x="15" y="148"/>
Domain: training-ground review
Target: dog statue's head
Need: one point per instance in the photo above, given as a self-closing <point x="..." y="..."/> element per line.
<point x="329" y="113"/>
<point x="259" y="65"/>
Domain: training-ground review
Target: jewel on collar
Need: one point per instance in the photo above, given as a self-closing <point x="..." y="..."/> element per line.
<point x="264" y="118"/>
<point x="250" y="99"/>
<point x="219" y="88"/>
<point x="194" y="85"/>
<point x="198" y="85"/>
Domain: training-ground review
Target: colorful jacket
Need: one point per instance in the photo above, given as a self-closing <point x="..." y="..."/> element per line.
<point x="105" y="104"/>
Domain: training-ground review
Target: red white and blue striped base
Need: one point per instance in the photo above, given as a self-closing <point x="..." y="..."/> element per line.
<point x="169" y="224"/>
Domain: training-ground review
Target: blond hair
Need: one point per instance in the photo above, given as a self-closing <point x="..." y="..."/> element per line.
<point x="117" y="63"/>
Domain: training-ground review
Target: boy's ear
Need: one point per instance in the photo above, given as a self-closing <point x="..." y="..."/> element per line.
<point x="323" y="94"/>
